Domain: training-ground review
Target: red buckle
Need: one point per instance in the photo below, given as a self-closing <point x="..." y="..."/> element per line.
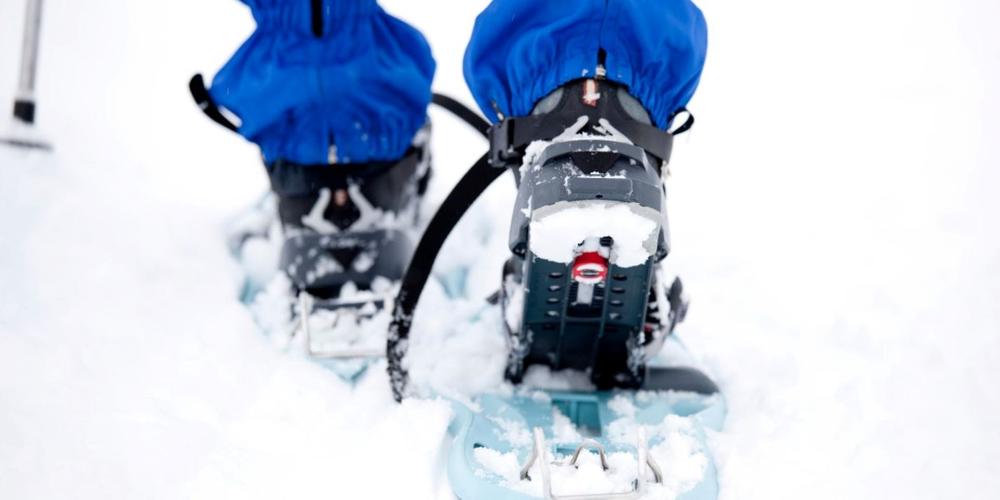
<point x="590" y="268"/>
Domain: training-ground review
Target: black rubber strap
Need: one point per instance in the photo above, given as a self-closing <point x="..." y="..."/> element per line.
<point x="509" y="138"/>
<point x="655" y="141"/>
<point x="462" y="111"/>
<point x="468" y="189"/>
<point x="316" y="6"/>
<point x="687" y="123"/>
<point x="207" y="104"/>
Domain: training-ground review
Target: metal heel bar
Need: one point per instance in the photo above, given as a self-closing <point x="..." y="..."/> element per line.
<point x="539" y="454"/>
<point x="306" y="303"/>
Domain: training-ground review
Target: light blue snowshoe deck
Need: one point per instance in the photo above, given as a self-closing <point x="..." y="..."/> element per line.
<point x="671" y="423"/>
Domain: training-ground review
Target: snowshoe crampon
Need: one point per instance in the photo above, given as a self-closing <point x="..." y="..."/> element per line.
<point x="589" y="445"/>
<point x="583" y="291"/>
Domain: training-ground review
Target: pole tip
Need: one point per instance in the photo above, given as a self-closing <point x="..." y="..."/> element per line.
<point x="24" y="110"/>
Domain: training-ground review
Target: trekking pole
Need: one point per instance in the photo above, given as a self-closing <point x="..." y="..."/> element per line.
<point x="24" y="99"/>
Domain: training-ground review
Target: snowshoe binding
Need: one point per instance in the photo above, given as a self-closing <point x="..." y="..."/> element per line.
<point x="589" y="229"/>
<point x="338" y="239"/>
<point x="584" y="292"/>
<point x="325" y="250"/>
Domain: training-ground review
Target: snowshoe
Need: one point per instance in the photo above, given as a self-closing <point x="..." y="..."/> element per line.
<point x="324" y="252"/>
<point x="583" y="292"/>
<point x="573" y="445"/>
<point x="335" y="240"/>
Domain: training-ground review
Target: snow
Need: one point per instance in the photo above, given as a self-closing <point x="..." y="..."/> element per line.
<point x="566" y="479"/>
<point x="833" y="216"/>
<point x="514" y="433"/>
<point x="567" y="224"/>
<point x="542" y="377"/>
<point x="676" y="451"/>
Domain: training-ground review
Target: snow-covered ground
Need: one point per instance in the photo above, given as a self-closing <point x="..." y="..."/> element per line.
<point x="833" y="212"/>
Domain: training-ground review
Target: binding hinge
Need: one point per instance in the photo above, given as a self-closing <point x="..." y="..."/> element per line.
<point x="502" y="151"/>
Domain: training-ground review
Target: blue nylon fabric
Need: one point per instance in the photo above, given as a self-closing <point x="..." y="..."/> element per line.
<point x="521" y="50"/>
<point x="363" y="87"/>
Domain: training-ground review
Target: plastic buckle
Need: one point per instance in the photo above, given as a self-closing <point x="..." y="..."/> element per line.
<point x="501" y="150"/>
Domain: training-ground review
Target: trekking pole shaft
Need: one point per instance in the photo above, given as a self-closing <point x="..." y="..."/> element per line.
<point x="24" y="103"/>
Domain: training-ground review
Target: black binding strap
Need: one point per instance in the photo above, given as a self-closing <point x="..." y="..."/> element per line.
<point x="472" y="184"/>
<point x="207" y="104"/>
<point x="317" y="17"/>
<point x="462" y="111"/>
<point x="509" y="138"/>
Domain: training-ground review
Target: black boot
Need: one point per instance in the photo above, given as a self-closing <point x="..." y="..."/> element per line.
<point x="349" y="223"/>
